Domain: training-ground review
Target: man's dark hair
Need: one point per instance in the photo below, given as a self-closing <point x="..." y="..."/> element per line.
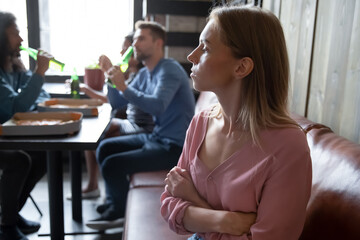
<point x="130" y="37"/>
<point x="6" y="20"/>
<point x="157" y="30"/>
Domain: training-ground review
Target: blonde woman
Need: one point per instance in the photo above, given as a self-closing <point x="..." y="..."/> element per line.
<point x="245" y="170"/>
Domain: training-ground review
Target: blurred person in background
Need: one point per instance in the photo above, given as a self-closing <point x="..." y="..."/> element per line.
<point x="126" y="121"/>
<point x="20" y="91"/>
<point x="161" y="89"/>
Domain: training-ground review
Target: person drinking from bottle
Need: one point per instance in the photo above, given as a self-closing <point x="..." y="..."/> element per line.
<point x="20" y="91"/>
<point x="127" y="119"/>
<point x="161" y="89"/>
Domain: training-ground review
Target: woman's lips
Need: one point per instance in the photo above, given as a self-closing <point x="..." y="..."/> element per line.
<point x="192" y="74"/>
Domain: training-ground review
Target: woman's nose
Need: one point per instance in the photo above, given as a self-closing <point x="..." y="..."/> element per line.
<point x="191" y="57"/>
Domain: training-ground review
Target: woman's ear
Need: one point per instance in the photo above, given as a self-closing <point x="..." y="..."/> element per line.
<point x="244" y="67"/>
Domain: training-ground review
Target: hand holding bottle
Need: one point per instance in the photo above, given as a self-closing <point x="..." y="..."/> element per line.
<point x="114" y="70"/>
<point x="104" y="63"/>
<point x="42" y="63"/>
<point x="117" y="78"/>
<point x="53" y="63"/>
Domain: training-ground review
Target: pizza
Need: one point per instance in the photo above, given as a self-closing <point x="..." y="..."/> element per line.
<point x="69" y="106"/>
<point x="39" y="122"/>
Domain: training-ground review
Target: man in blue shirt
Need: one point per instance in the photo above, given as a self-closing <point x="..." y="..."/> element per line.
<point x="161" y="89"/>
<point x="20" y="90"/>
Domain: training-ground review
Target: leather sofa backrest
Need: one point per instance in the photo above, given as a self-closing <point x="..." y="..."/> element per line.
<point x="333" y="211"/>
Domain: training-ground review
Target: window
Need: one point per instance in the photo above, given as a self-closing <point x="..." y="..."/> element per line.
<point x="78" y="32"/>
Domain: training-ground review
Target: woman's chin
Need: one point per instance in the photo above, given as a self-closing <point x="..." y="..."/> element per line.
<point x="199" y="87"/>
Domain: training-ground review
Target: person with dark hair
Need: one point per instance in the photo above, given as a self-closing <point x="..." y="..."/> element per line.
<point x="20" y="91"/>
<point x="126" y="121"/>
<point x="161" y="89"/>
<point x="255" y="184"/>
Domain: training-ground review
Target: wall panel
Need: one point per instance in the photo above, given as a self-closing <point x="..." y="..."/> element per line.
<point x="333" y="91"/>
<point x="297" y="19"/>
<point x="350" y="118"/>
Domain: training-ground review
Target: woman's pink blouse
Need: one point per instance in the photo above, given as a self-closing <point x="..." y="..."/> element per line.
<point x="273" y="181"/>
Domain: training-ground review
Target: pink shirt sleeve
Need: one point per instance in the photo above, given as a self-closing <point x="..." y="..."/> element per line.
<point x="173" y="209"/>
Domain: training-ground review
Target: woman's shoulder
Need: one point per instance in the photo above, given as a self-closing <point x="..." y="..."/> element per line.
<point x="293" y="132"/>
<point x="285" y="141"/>
<point x="287" y="135"/>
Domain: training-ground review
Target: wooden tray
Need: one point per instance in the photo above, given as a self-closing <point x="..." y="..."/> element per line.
<point x="89" y="107"/>
<point x="50" y="123"/>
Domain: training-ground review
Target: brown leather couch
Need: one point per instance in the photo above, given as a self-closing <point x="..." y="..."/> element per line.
<point x="333" y="211"/>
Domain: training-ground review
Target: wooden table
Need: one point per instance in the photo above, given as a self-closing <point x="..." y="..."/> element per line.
<point x="86" y="139"/>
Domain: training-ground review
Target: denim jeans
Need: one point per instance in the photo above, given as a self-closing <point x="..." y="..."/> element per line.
<point x="122" y="156"/>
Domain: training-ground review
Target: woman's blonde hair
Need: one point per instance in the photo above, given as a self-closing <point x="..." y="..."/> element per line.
<point x="256" y="33"/>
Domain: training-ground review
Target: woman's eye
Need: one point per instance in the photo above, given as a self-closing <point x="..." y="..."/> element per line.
<point x="204" y="49"/>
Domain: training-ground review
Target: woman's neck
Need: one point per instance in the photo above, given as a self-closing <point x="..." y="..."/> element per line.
<point x="230" y="102"/>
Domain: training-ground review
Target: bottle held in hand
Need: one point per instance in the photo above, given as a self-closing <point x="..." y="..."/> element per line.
<point x="75" y="85"/>
<point x="53" y="64"/>
<point x="109" y="82"/>
<point x="124" y="64"/>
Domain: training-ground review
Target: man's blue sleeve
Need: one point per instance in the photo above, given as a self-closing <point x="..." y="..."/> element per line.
<point x="156" y="102"/>
<point x="12" y="101"/>
<point x="115" y="98"/>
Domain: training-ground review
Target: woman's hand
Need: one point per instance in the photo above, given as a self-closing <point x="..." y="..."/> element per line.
<point x="198" y="219"/>
<point x="117" y="78"/>
<point x="42" y="63"/>
<point x="236" y="223"/>
<point x="104" y="63"/>
<point x="179" y="184"/>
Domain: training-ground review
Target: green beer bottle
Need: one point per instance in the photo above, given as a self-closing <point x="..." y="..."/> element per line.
<point x="75" y="85"/>
<point x="53" y="64"/>
<point x="124" y="63"/>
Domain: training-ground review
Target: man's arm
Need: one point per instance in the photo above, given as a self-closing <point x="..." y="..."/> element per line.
<point x="156" y="102"/>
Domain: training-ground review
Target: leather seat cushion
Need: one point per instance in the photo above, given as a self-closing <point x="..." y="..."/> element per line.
<point x="143" y="218"/>
<point x="148" y="179"/>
